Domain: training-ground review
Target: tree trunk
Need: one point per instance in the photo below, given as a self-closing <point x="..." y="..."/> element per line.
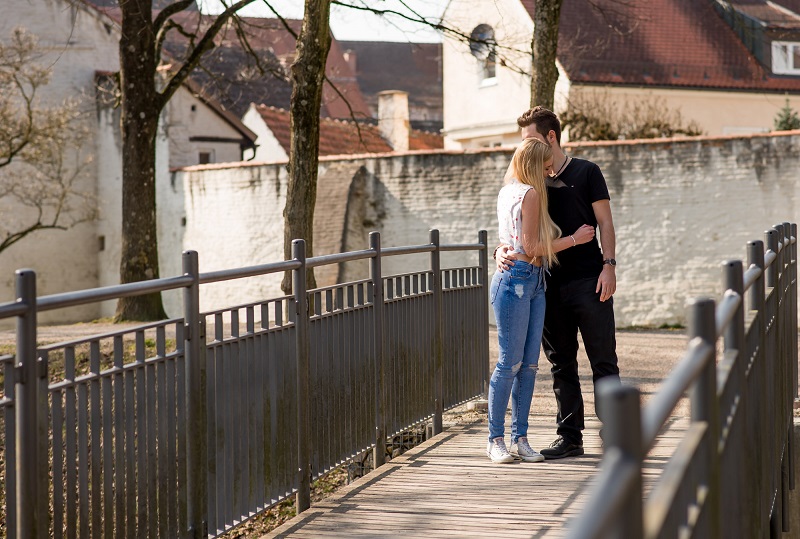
<point x="544" y="47"/>
<point x="308" y="75"/>
<point x="141" y="106"/>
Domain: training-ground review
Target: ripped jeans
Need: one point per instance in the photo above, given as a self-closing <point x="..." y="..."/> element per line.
<point x="517" y="296"/>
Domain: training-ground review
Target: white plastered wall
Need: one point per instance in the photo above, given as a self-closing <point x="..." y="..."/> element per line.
<point x="267" y="146"/>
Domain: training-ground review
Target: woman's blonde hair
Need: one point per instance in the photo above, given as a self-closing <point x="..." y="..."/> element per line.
<point x="528" y="165"/>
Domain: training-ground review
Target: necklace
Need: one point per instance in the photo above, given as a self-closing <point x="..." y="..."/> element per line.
<point x="566" y="160"/>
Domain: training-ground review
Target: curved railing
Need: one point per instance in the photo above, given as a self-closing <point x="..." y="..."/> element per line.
<point x="730" y="475"/>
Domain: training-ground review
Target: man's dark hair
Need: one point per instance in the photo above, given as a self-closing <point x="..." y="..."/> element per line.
<point x="545" y="121"/>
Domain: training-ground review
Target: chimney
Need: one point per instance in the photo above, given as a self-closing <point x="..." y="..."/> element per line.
<point x="393" y="118"/>
<point x="350" y="57"/>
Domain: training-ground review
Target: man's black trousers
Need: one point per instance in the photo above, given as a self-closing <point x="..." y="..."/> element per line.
<point x="571" y="307"/>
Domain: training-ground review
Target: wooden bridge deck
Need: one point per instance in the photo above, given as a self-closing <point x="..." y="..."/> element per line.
<point x="447" y="487"/>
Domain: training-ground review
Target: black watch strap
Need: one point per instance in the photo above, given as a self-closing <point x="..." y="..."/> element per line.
<point x="610" y="262"/>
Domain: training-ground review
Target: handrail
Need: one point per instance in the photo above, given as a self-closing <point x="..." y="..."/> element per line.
<point x="658" y="409"/>
<point x="82" y="297"/>
<point x="249" y="271"/>
<point x="708" y="472"/>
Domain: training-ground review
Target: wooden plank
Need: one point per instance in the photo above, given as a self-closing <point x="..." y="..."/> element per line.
<point x="447" y="487"/>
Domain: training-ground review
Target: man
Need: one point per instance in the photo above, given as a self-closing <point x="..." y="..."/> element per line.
<point x="580" y="288"/>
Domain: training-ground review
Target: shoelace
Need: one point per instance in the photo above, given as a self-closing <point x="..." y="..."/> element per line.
<point x="557" y="441"/>
<point x="525" y="446"/>
<point x="501" y="446"/>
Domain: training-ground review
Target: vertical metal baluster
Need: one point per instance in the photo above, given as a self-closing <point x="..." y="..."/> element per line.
<point x="83" y="464"/>
<point x="179" y="428"/>
<point x="103" y="440"/>
<point x="170" y="410"/>
<point x="162" y="444"/>
<point x="71" y="434"/>
<point x="250" y="403"/>
<point x="58" y="461"/>
<point x="119" y="437"/>
<point x="142" y="435"/>
<point x="213" y="484"/>
<point x="261" y="352"/>
<point x="130" y="453"/>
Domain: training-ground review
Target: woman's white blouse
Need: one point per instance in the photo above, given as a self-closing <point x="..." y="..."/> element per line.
<point x="509" y="214"/>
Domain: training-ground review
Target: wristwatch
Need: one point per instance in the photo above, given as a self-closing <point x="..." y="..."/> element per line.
<point x="610" y="262"/>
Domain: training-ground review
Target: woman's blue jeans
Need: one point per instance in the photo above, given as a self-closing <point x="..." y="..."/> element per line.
<point x="517" y="296"/>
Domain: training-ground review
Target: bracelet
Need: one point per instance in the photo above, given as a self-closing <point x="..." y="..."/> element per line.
<point x="573" y="240"/>
<point x="494" y="253"/>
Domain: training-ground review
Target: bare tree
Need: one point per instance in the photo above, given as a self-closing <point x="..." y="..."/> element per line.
<point x="146" y="88"/>
<point x="308" y="75"/>
<point x="41" y="158"/>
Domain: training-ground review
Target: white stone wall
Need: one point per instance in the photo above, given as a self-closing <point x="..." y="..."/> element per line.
<point x="681" y="208"/>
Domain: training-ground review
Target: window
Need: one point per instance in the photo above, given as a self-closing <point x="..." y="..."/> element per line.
<point x="785" y="58"/>
<point x="205" y="158"/>
<point x="483" y="47"/>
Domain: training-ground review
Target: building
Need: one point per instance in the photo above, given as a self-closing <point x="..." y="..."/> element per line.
<point x="81" y="43"/>
<point x="415" y="68"/>
<point x="697" y="57"/>
<point x="341" y="137"/>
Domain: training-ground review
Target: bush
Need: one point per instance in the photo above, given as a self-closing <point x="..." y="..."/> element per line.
<point x="595" y="116"/>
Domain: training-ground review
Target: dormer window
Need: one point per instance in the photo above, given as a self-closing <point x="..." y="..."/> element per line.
<point x="786" y="58"/>
<point x="483" y="46"/>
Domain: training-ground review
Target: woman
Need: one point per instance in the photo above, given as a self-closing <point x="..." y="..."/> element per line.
<point x="517" y="295"/>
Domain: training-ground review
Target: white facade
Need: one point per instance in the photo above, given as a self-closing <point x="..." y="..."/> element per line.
<point x="79" y="42"/>
<point x="268" y="149"/>
<point x="481" y="111"/>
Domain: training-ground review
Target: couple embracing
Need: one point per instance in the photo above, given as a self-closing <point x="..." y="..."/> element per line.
<point x="547" y="217"/>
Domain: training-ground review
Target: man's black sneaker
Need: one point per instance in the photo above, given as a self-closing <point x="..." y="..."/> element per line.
<point x="562" y="448"/>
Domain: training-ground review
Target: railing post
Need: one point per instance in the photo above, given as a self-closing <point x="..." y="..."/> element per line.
<point x="483" y="262"/>
<point x="623" y="430"/>
<point x="793" y="296"/>
<point x="303" y="412"/>
<point x="31" y="504"/>
<point x="771" y="239"/>
<point x="705" y="407"/>
<point x="438" y="344"/>
<point x="379" y="454"/>
<point x="196" y="411"/>
<point x="793" y="333"/>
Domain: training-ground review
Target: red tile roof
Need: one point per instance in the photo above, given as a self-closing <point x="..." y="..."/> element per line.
<point x="337" y="137"/>
<point x="667" y="43"/>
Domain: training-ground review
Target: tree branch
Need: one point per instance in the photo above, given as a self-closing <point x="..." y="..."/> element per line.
<point x="168" y="12"/>
<point x="205" y="44"/>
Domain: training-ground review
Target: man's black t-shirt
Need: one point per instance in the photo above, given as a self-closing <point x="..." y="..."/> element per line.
<point x="570" y="206"/>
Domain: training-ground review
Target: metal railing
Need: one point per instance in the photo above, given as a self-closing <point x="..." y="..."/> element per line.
<point x="732" y="470"/>
<point x="190" y="426"/>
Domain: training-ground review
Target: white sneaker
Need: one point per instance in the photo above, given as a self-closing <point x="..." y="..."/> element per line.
<point x="496" y="449"/>
<point x="523" y="450"/>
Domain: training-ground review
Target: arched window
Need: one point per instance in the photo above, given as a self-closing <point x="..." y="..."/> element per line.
<point x="483" y="46"/>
